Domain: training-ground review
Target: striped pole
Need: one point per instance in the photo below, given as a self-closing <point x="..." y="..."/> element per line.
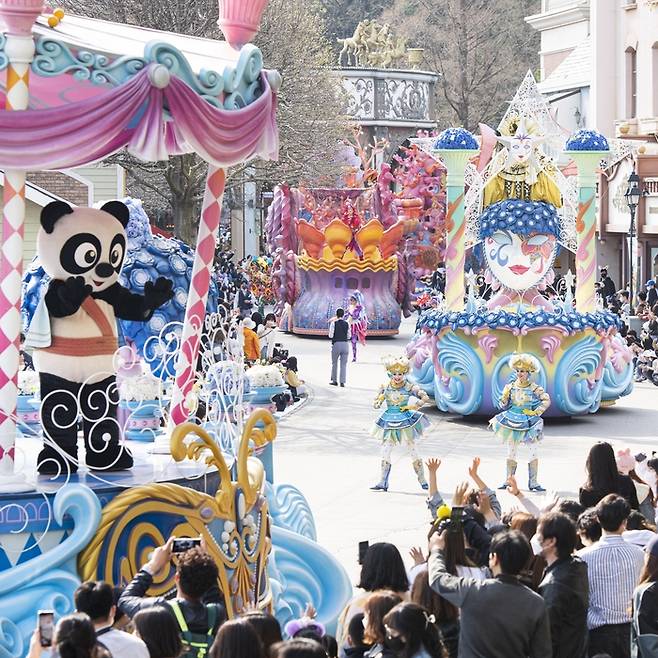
<point x="588" y="163"/>
<point x="198" y="294"/>
<point x="18" y="17"/>
<point x="455" y="161"/>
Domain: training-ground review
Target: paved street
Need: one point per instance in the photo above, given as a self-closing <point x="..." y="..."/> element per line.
<point x="324" y="449"/>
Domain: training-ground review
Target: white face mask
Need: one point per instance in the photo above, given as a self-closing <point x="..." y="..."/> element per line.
<point x="536" y="545"/>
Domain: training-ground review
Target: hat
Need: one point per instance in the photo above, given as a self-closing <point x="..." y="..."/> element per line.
<point x="652" y="546"/>
<point x="650" y="282"/>
<point x="249" y="323"/>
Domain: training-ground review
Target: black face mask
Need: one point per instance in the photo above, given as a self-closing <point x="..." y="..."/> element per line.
<point x="394" y="643"/>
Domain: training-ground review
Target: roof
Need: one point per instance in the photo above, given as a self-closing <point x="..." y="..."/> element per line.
<point x="122" y="40"/>
<point x="36" y="194"/>
<point x="573" y="72"/>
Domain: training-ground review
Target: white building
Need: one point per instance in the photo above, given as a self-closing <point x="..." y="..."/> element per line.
<point x="599" y="67"/>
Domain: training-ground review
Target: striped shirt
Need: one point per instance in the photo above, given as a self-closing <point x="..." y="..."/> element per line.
<point x="613" y="570"/>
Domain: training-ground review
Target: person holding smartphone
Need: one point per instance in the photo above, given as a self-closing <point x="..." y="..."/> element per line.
<point x="198" y="605"/>
<point x="74" y="635"/>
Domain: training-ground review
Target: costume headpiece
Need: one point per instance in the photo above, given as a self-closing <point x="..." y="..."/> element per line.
<point x="520" y="128"/>
<point x="397" y="365"/>
<point x="525" y="362"/>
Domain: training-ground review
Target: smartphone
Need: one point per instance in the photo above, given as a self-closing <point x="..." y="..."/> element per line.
<point x="456" y="518"/>
<point x="363" y="549"/>
<point x="46" y="625"/>
<point x="182" y="544"/>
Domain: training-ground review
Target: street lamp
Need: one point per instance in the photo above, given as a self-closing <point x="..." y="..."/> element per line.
<point x="632" y="196"/>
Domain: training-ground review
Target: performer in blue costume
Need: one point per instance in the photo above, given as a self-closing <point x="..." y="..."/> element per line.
<point x="400" y="423"/>
<point x="523" y="402"/>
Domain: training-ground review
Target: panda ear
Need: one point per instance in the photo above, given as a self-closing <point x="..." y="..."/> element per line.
<point x="119" y="210"/>
<point x="52" y="212"/>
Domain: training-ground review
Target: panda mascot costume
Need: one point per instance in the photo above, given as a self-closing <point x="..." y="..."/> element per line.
<point x="74" y="333"/>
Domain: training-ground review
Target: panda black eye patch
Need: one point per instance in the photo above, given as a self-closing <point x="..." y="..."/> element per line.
<point x="80" y="253"/>
<point x="117" y="251"/>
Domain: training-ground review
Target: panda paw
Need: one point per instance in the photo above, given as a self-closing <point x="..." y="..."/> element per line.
<point x="158" y="293"/>
<point x="73" y="292"/>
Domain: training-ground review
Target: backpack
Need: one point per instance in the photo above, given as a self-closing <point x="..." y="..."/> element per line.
<point x="195" y="645"/>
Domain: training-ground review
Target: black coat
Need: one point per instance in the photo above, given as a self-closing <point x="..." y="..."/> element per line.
<point x="625" y="487"/>
<point x="565" y="590"/>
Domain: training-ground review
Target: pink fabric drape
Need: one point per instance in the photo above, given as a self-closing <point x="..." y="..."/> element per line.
<point x="132" y="115"/>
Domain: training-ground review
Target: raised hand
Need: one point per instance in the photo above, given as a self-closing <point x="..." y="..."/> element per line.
<point x="512" y="486"/>
<point x="473" y="469"/>
<point x="74" y="291"/>
<point x="433" y="464"/>
<point x="417" y="556"/>
<point x="158" y="293"/>
<point x="459" y="499"/>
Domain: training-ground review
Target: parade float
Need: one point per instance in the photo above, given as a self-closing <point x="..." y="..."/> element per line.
<point x="374" y="234"/>
<point x="77" y="90"/>
<point x="518" y="210"/>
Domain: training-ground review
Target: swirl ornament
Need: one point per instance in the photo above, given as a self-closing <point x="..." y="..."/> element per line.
<point x="46" y="581"/>
<point x="290" y="510"/>
<point x="576" y="389"/>
<point x="234" y="522"/>
<point x="550" y="345"/>
<point x="618" y="371"/>
<point x="488" y="345"/>
<point x="460" y="388"/>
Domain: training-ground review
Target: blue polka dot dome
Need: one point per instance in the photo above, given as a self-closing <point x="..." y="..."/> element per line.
<point x="457" y="139"/>
<point x="587" y="140"/>
<point x="519" y="216"/>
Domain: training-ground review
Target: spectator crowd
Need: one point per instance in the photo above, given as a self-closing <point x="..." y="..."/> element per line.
<point x="575" y="578"/>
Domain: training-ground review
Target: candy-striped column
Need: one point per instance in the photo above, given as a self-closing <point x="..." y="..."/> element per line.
<point x="198" y="294"/>
<point x="19" y="48"/>
<point x="587" y="162"/>
<point x="455" y="161"/>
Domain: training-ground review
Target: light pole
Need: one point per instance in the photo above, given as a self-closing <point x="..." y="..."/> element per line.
<point x="632" y="196"/>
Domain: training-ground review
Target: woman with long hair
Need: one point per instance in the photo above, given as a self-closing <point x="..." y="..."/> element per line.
<point x="376" y="608"/>
<point x="237" y="637"/>
<point x="74" y="637"/>
<point x="446" y="615"/>
<point x="532" y="575"/>
<point x="457" y="560"/>
<point x="158" y="629"/>
<point x="382" y="569"/>
<point x="644" y="627"/>
<point x="411" y="632"/>
<point x="298" y="648"/>
<point x="603" y="478"/>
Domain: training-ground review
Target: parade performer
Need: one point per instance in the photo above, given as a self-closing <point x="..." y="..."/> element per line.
<point x="400" y="423"/>
<point x="358" y="319"/>
<point x="523" y="402"/>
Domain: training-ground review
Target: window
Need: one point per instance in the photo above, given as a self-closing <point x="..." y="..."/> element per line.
<point x="365" y="283"/>
<point x="338" y="282"/>
<point x="352" y="283"/>
<point x="631" y="83"/>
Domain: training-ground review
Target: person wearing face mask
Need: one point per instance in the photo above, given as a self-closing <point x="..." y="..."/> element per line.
<point x="412" y="633"/>
<point x="564" y="587"/>
<point x="376" y="608"/>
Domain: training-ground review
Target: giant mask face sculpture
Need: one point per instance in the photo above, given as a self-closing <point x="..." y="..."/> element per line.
<point x="520" y="242"/>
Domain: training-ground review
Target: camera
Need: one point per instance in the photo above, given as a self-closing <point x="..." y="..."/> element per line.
<point x="453" y="524"/>
<point x="180" y="545"/>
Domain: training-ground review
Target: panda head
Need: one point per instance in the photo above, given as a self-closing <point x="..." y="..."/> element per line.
<point x="84" y="242"/>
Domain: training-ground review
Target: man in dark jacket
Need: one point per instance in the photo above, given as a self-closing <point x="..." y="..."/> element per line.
<point x="500" y="617"/>
<point x="196" y="588"/>
<point x="565" y="588"/>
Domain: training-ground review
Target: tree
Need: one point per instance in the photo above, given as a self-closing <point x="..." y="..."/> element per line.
<point x="343" y="16"/>
<point x="481" y="50"/>
<point x="293" y="41"/>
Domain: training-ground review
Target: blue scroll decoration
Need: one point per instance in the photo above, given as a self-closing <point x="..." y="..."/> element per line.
<point x="462" y="393"/>
<point x="424" y="376"/>
<point x="235" y="87"/>
<point x="48" y="580"/>
<point x="301" y="571"/>
<point x="616" y="384"/>
<point x="290" y="510"/>
<point x="575" y="392"/>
